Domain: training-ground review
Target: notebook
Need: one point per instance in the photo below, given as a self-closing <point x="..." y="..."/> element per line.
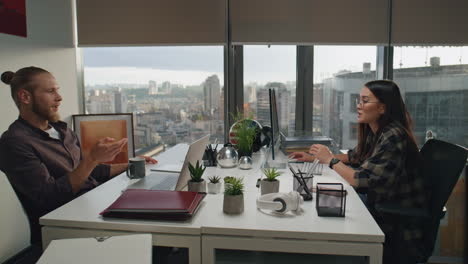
<point x="166" y="180"/>
<point x="154" y="204"/>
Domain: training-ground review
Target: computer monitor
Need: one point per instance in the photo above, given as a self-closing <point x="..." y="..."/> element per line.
<point x="275" y="133"/>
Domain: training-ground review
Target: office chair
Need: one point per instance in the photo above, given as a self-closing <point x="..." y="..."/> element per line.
<point x="442" y="165"/>
<point x="15" y="247"/>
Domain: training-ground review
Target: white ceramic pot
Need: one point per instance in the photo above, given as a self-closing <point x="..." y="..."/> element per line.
<point x="197" y="186"/>
<point x="269" y="186"/>
<point x="233" y="204"/>
<point x="214" y="188"/>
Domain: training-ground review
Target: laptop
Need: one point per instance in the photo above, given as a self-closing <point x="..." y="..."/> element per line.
<point x="174" y="181"/>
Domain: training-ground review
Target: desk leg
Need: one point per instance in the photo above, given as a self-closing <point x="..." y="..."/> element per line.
<point x="208" y="251"/>
<point x="376" y="256"/>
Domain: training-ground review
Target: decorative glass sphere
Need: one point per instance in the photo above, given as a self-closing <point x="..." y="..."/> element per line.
<point x="227" y="157"/>
<point x="245" y="163"/>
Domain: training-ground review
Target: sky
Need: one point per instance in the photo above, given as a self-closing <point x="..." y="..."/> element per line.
<point x="191" y="65"/>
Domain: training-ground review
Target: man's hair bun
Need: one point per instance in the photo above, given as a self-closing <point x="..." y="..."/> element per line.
<point x="7" y="77"/>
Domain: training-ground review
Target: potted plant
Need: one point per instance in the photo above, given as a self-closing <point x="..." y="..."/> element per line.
<point x="196" y="182"/>
<point x="227" y="181"/>
<point x="270" y="184"/>
<point x="245" y="131"/>
<point x="214" y="186"/>
<point x="233" y="202"/>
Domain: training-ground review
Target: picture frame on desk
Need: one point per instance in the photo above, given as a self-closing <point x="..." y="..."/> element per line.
<point x="92" y="127"/>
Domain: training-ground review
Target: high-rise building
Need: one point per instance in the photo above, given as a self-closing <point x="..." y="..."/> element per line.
<point x="100" y="102"/>
<point x="263" y="107"/>
<point x="120" y="101"/>
<point x="250" y="94"/>
<point x="211" y="93"/>
<point x="435" y="96"/>
<point x="152" y="88"/>
<point x="165" y="88"/>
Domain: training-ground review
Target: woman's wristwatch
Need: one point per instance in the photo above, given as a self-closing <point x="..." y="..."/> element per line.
<point x="333" y="162"/>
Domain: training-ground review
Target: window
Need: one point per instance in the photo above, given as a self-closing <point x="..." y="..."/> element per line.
<point x="175" y="93"/>
<point x="434" y="83"/>
<point x="353" y="130"/>
<point x="339" y="74"/>
<point x="352" y="102"/>
<point x="270" y="67"/>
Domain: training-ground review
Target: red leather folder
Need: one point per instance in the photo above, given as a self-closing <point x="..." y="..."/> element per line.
<point x="154" y="204"/>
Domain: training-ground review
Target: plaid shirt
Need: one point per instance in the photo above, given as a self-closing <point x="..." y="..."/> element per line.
<point x="387" y="180"/>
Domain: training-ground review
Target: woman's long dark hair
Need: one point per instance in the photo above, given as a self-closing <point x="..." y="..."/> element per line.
<point x="388" y="93"/>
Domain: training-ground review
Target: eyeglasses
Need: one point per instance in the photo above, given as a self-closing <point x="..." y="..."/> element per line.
<point x="362" y="103"/>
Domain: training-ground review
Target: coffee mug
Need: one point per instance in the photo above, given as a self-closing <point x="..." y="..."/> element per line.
<point x="136" y="168"/>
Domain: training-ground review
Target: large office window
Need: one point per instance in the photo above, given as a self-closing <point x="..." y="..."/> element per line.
<point x="339" y="74"/>
<point x="270" y="67"/>
<point x="175" y="93"/>
<point x="434" y="83"/>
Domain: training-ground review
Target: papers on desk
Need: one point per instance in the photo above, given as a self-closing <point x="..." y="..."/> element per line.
<point x="155" y="204"/>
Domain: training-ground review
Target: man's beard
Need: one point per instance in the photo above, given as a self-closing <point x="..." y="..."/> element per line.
<point x="45" y="113"/>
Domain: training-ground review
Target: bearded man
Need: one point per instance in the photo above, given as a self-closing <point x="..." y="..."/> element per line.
<point x="42" y="157"/>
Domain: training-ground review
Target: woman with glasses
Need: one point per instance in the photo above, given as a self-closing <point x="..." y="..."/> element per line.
<point x="384" y="165"/>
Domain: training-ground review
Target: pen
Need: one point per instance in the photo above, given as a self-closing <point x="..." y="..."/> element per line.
<point x="307" y="196"/>
<point x="313" y="166"/>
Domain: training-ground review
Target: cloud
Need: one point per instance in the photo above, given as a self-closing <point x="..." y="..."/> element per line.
<point x="134" y="75"/>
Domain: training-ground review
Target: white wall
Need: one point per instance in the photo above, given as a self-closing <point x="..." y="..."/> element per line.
<point x="50" y="44"/>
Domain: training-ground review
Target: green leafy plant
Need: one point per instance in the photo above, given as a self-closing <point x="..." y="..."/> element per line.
<point x="271" y="174"/>
<point x="214" y="179"/>
<point x="196" y="172"/>
<point x="235" y="187"/>
<point x="228" y="179"/>
<point x="245" y="131"/>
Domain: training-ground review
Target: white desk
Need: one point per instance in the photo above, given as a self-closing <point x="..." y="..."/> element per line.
<point x="357" y="234"/>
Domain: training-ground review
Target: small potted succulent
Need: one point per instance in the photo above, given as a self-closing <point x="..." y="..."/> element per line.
<point x="270" y="184"/>
<point x="233" y="202"/>
<point x="196" y="182"/>
<point x="214" y="186"/>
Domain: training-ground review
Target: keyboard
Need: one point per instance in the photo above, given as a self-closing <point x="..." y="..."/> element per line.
<point x="168" y="183"/>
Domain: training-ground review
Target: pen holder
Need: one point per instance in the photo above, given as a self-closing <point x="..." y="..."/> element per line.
<point x="330" y="199"/>
<point x="300" y="188"/>
<point x="209" y="157"/>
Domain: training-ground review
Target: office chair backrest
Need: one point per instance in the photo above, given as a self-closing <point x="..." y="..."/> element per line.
<point x="14" y="225"/>
<point x="442" y="165"/>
